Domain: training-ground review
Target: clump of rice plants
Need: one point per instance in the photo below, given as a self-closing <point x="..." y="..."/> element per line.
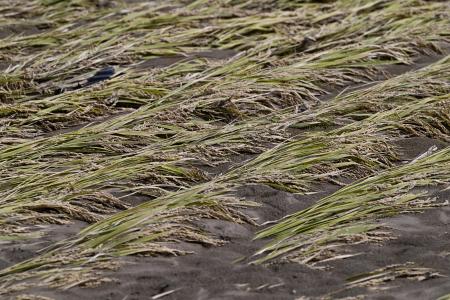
<point x="352" y="210"/>
<point x="103" y="101"/>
